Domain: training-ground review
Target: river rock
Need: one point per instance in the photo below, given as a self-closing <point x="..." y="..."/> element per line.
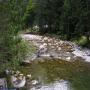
<point x="19" y="81"/>
<point x="57" y="47"/>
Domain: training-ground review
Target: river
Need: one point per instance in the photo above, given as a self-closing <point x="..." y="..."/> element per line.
<point x="57" y="65"/>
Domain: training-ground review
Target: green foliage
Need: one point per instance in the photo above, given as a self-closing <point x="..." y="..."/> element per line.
<point x="11" y="14"/>
<point x="82" y="40"/>
<point x="29" y="15"/>
<point x="25" y="50"/>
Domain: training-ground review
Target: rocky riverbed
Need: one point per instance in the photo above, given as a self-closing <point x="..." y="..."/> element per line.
<point x="55" y="48"/>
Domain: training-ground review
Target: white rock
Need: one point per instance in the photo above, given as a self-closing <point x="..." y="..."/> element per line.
<point x="59" y="48"/>
<point x="21" y="74"/>
<point x="45" y="55"/>
<point x="34" y="82"/>
<point x="61" y="42"/>
<point x="57" y="43"/>
<point x="18" y="83"/>
<point x="45" y="44"/>
<point x="29" y="75"/>
<point x="68" y="58"/>
<point x="49" y="40"/>
<point x="42" y="46"/>
<point x="45" y="38"/>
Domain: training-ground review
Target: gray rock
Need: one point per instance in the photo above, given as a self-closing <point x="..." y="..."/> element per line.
<point x="3" y="84"/>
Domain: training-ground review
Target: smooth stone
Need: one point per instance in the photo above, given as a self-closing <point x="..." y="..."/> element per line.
<point x="18" y="82"/>
<point x="68" y="58"/>
<point x="34" y="82"/>
<point x="29" y="75"/>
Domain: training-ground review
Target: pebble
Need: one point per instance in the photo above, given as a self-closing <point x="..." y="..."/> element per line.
<point x="29" y="75"/>
<point x="68" y="58"/>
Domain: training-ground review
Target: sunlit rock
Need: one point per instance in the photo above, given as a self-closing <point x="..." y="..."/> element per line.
<point x="68" y="58"/>
<point x="45" y="55"/>
<point x="29" y="75"/>
<point x="43" y="46"/>
<point x="61" y="42"/>
<point x="57" y="43"/>
<point x="45" y="39"/>
<point x="49" y="40"/>
<point x="19" y="81"/>
<point x="26" y="62"/>
<point x="42" y="49"/>
<point x="59" y="48"/>
<point x="34" y="82"/>
<point x="21" y="74"/>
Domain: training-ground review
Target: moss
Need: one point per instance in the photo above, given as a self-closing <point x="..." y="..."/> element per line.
<point x="81" y="41"/>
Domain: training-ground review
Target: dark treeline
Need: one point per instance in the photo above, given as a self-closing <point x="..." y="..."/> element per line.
<point x="67" y="18"/>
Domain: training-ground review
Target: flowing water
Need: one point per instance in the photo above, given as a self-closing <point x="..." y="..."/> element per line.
<point x="58" y="85"/>
<point x="57" y="75"/>
<point x="63" y="72"/>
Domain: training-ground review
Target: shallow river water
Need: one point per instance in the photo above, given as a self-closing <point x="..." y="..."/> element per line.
<point x="59" y="74"/>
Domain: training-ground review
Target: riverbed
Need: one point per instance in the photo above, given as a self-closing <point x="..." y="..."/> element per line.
<point x="56" y="48"/>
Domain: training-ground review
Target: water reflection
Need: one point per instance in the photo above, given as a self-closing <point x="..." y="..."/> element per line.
<point x="58" y="75"/>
